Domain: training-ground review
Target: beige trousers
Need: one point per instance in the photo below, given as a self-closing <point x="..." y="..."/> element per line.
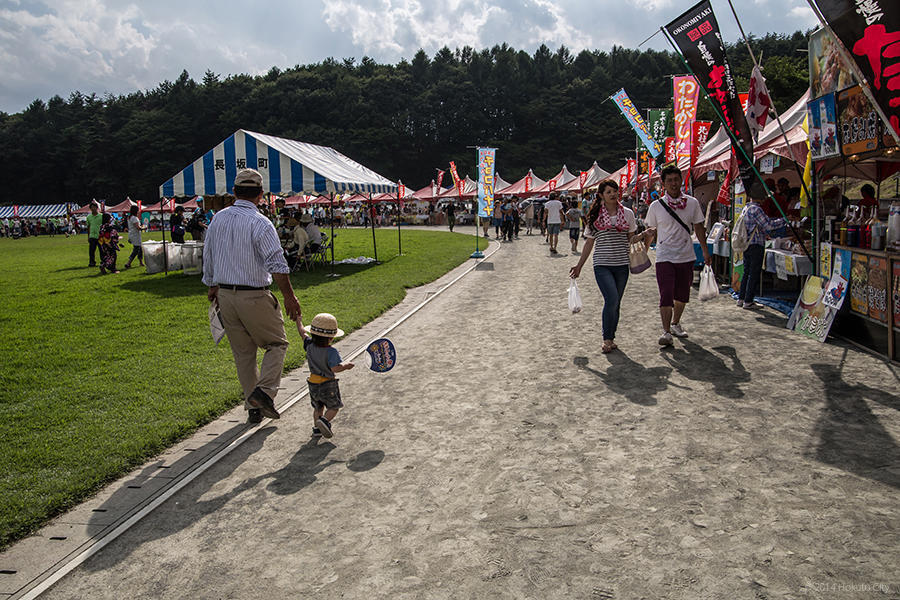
<point x="253" y="320"/>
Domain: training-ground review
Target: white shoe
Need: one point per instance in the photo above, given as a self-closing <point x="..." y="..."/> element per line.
<point x="677" y="331"/>
<point x="665" y="339"/>
<point x="740" y="303"/>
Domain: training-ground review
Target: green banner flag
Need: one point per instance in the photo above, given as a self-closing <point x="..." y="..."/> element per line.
<point x="658" y="119"/>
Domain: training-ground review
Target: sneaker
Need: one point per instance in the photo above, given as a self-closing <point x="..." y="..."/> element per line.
<point x="751" y="305"/>
<point x="324" y="426"/>
<point x="740" y="303"/>
<point x="666" y="339"/>
<point x="317" y="433"/>
<point x="261" y="400"/>
<point x="677" y="331"/>
<point x="254" y="416"/>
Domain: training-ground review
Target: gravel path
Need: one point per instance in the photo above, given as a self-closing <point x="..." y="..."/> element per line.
<point x="506" y="457"/>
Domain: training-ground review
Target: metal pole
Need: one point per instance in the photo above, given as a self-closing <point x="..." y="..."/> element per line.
<point x="370" y="210"/>
<point x="399" y="214"/>
<point x="331" y="241"/>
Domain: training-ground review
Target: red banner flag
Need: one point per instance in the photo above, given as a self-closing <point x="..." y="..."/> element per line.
<point x="671" y="156"/>
<point x="15" y="210"/>
<point x="552" y="184"/>
<point x="456" y="180"/>
<point x="440" y="178"/>
<point x="631" y="166"/>
<point x="528" y="182"/>
<point x="686" y="94"/>
<point x="699" y="135"/>
<point x="139" y="204"/>
<point x="582" y="179"/>
<point x="623" y="183"/>
<point x="401" y="192"/>
<point x="745" y="98"/>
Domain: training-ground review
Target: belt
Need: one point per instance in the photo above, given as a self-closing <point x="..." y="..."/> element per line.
<point x="242" y="288"/>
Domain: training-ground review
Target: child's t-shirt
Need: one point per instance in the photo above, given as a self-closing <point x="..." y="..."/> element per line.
<point x="321" y="360"/>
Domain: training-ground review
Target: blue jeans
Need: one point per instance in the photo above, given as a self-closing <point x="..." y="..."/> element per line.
<point x="753" y="263"/>
<point x="611" y="281"/>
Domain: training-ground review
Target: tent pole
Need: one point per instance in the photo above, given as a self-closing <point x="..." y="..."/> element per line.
<point x="371" y="211"/>
<point x="162" y="220"/>
<point x="399" y="213"/>
<point x="331" y="218"/>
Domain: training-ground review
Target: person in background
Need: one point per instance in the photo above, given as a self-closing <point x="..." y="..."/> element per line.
<point x="312" y="232"/>
<point x="135" y="227"/>
<point x="450" y="209"/>
<point x="868" y="199"/>
<point x="197" y="225"/>
<point x="553" y="217"/>
<point x="108" y="243"/>
<point x="94" y="221"/>
<point x="573" y="224"/>
<point x="176" y="225"/>
<point x="758" y="226"/>
<point x="527" y="206"/>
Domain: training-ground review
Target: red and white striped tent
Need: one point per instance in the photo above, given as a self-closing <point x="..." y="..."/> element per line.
<point x="523" y="187"/>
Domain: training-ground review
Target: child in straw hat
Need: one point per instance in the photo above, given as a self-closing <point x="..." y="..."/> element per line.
<point x="324" y="361"/>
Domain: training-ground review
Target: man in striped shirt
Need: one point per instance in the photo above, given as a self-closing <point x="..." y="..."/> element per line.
<point x="241" y="256"/>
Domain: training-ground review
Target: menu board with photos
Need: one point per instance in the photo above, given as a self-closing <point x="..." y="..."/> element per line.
<point x="822" y="119"/>
<point x="858" y="122"/>
<point x="859" y="284"/>
<point x="876" y="290"/>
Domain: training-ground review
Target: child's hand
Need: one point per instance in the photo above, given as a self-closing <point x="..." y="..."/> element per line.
<point x="300" y="329"/>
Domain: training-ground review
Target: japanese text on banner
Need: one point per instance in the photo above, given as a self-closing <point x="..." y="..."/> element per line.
<point x="686" y="93"/>
<point x="486" y="166"/>
<point x="637" y="122"/>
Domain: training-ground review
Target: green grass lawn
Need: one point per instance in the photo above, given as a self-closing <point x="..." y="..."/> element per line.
<point x="100" y="373"/>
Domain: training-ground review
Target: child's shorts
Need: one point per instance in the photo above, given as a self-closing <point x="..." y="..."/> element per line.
<point x="325" y="395"/>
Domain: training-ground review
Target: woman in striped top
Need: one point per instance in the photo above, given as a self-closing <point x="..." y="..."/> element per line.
<point x="610" y="228"/>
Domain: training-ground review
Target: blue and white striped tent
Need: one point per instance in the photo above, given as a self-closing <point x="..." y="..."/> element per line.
<point x="287" y="166"/>
<point x="33" y="211"/>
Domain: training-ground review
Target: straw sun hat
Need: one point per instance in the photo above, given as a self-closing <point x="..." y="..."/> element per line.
<point x="325" y="325"/>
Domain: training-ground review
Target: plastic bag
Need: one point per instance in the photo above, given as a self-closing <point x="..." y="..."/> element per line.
<point x="575" y="303"/>
<point x="637" y="258"/>
<point x="709" y="289"/>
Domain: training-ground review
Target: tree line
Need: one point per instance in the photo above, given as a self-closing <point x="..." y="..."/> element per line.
<point x="402" y="120"/>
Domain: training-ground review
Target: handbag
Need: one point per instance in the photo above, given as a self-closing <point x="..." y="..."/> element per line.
<point x="709" y="289"/>
<point x="638" y="261"/>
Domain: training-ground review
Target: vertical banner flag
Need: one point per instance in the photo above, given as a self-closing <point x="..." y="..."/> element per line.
<point x="623" y="183"/>
<point x="456" y="180"/>
<point x="696" y="33"/>
<point x="633" y="116"/>
<point x="631" y="167"/>
<point x="15" y="210"/>
<point x="552" y="184"/>
<point x="528" y="182"/>
<point x="659" y="122"/>
<point x="440" y="179"/>
<point x="686" y="94"/>
<point x="401" y="192"/>
<point x="870" y="31"/>
<point x="758" y="103"/>
<point x="582" y="179"/>
<point x="434" y="188"/>
<point x="486" y="166"/>
<point x="644" y="167"/>
<point x="671" y="156"/>
<point x="699" y="135"/>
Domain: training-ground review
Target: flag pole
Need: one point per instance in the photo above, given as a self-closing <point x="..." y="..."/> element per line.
<point x="735" y="142"/>
<point x="371" y="211"/>
<point x="331" y="240"/>
<point x="399" y="214"/>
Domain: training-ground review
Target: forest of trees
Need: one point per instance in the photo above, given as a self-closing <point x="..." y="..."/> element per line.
<point x="404" y="120"/>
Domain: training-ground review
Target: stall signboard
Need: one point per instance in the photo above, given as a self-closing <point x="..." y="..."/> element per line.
<point x="859" y="283"/>
<point x="858" y="122"/>
<point x="876" y="290"/>
<point x="896" y="294"/>
<point x="827" y="71"/>
<point x="869" y="31"/>
<point x="811" y="317"/>
<point x="836" y="290"/>
<point x="823" y="140"/>
<point x="825" y="258"/>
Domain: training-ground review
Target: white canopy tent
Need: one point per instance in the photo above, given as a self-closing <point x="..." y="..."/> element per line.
<point x="287" y="166"/>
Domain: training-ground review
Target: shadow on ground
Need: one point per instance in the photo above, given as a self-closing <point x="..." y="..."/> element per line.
<point x="631" y="379"/>
<point x="849" y="435"/>
<point x="699" y="364"/>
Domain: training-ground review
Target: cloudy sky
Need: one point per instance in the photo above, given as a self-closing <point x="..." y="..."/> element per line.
<point x="118" y="46"/>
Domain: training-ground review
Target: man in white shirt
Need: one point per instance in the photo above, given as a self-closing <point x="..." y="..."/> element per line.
<point x="553" y="210"/>
<point x="241" y="256"/>
<point x="675" y="250"/>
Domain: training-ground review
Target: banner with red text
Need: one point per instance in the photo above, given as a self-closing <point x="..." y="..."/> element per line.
<point x="486" y="167"/>
<point x="699" y="135"/>
<point x="456" y="180"/>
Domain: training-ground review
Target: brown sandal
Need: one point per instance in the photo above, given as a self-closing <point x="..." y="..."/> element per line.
<point x="607" y="347"/>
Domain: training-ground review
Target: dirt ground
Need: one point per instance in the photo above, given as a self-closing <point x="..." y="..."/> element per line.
<point x="506" y="457"/>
